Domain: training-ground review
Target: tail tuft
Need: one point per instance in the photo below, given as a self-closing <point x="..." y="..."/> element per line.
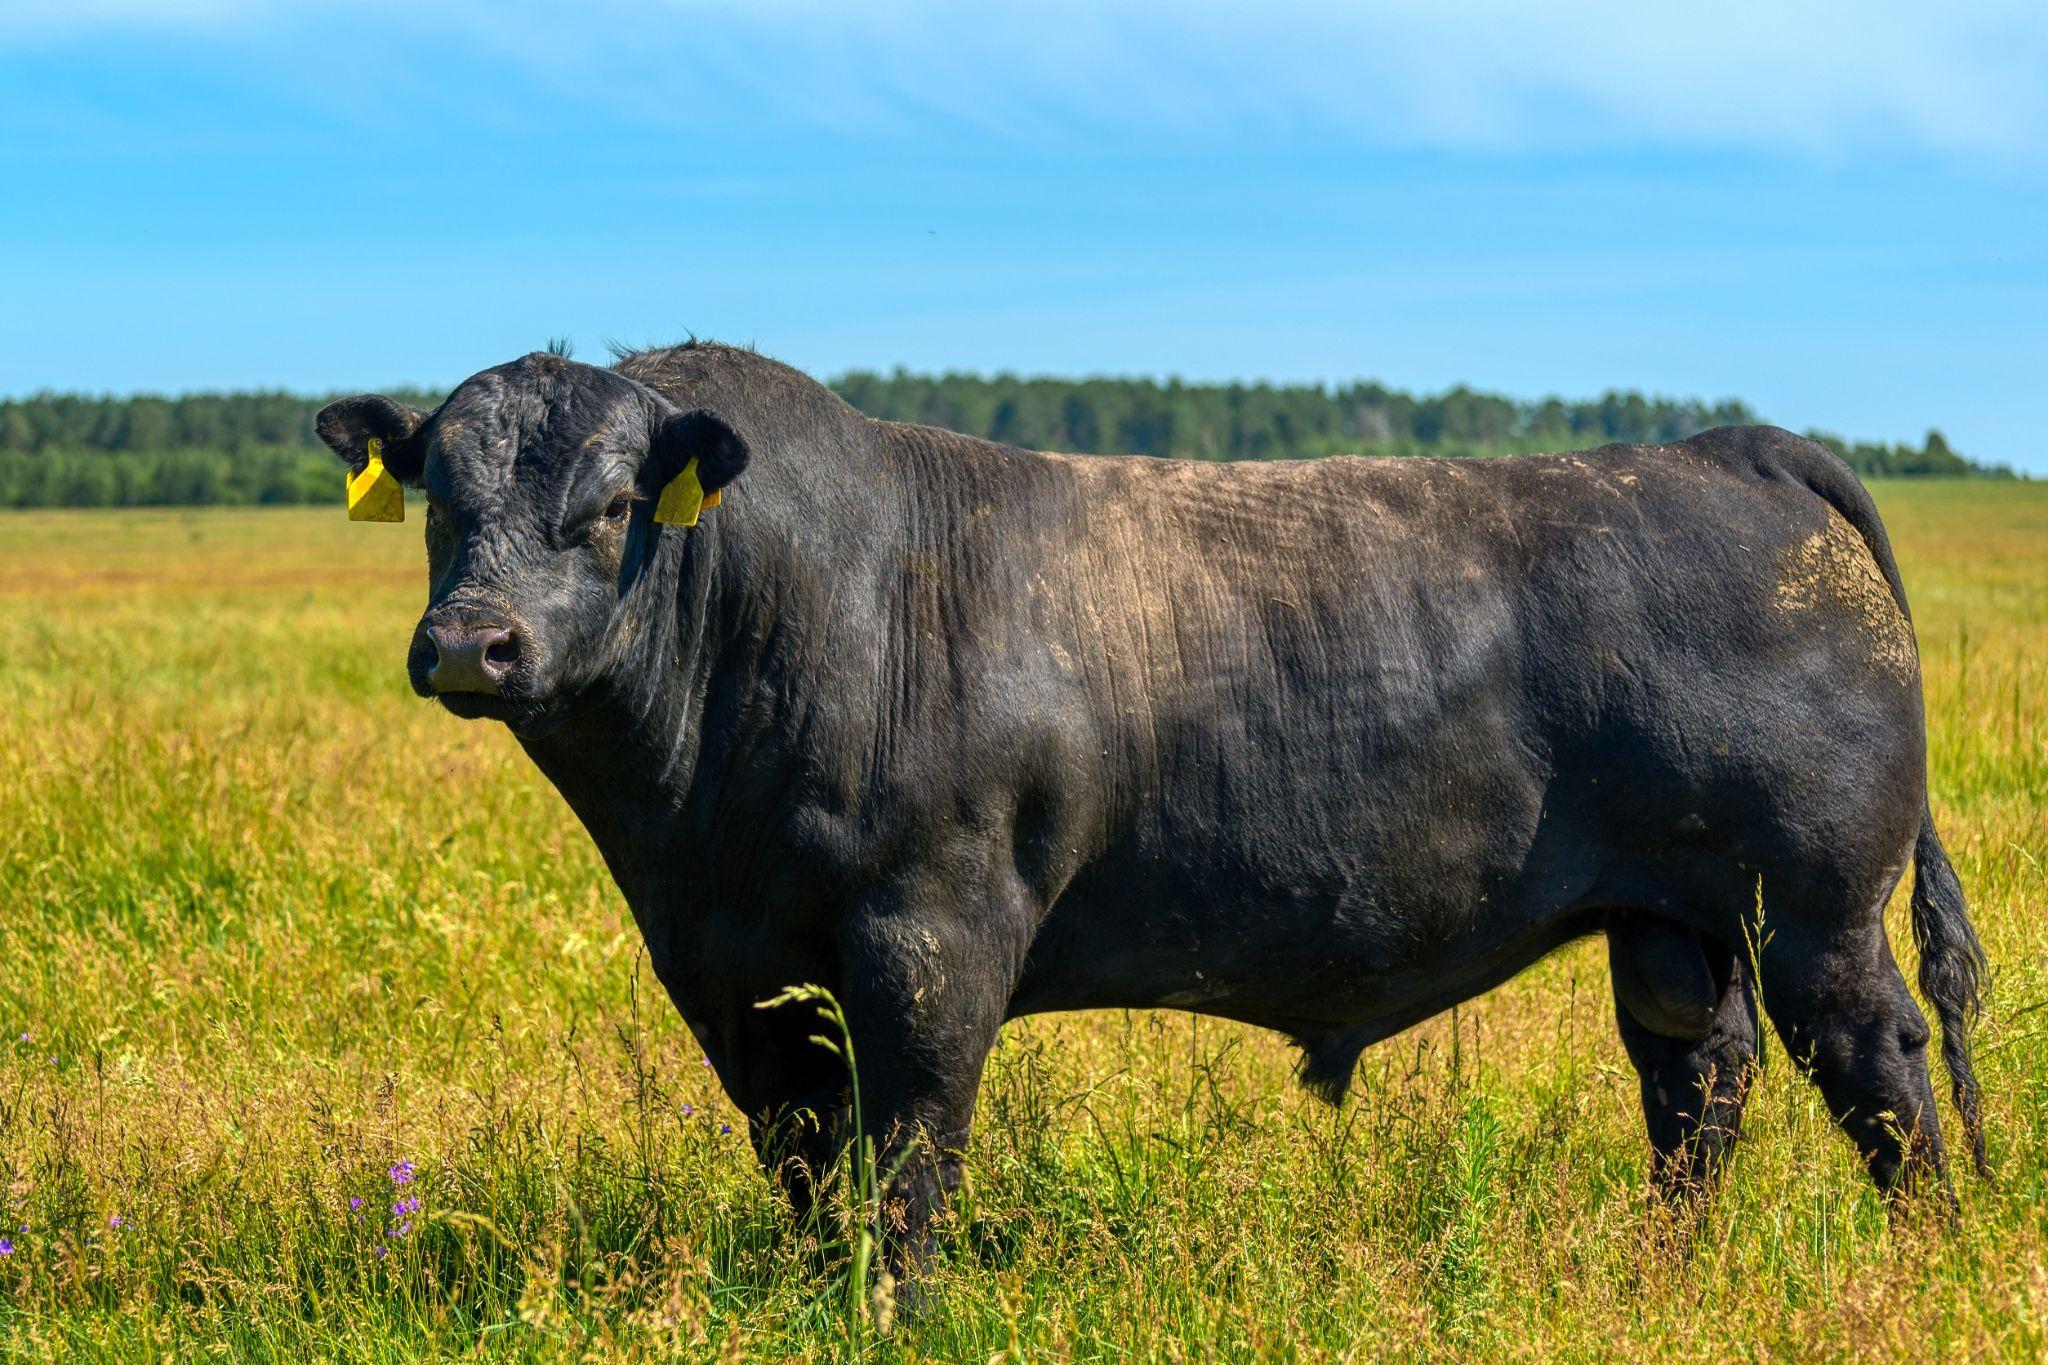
<point x="1952" y="967"/>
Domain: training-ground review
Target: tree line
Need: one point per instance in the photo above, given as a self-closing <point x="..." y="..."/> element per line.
<point x="76" y="450"/>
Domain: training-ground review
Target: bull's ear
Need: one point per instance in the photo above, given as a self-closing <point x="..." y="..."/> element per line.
<point x="350" y="424"/>
<point x="720" y="452"/>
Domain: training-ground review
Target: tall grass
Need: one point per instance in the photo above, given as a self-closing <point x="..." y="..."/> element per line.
<point x="276" y="938"/>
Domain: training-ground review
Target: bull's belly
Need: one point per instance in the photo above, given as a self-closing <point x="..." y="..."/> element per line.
<point x="1291" y="962"/>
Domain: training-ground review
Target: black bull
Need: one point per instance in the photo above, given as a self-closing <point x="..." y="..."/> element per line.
<point x="965" y="732"/>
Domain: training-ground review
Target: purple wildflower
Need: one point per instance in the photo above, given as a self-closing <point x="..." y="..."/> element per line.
<point x="356" y="1202"/>
<point x="404" y="1207"/>
<point x="401" y="1174"/>
<point x="725" y="1130"/>
<point x="688" y="1110"/>
<point x="116" y="1221"/>
<point x="6" y="1246"/>
<point x="382" y="1250"/>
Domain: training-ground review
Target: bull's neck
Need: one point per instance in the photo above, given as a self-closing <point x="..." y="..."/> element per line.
<point x="623" y="759"/>
<point x="651" y="761"/>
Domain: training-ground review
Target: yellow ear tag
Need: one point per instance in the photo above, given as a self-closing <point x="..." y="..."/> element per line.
<point x="375" y="494"/>
<point x="684" y="498"/>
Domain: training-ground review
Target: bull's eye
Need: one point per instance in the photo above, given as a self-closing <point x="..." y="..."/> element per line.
<point x="617" y="508"/>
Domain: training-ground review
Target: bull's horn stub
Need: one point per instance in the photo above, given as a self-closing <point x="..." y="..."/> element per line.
<point x="684" y="498"/>
<point x="375" y="494"/>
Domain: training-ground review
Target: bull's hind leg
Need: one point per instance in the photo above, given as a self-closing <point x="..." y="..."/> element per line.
<point x="1834" y="993"/>
<point x="1688" y="1020"/>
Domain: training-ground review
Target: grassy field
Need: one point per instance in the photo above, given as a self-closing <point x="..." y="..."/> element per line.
<point x="283" y="950"/>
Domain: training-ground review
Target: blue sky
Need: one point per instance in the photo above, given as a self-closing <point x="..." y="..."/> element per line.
<point x="1838" y="212"/>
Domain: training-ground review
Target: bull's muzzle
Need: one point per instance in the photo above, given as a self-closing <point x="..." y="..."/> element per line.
<point x="470" y="655"/>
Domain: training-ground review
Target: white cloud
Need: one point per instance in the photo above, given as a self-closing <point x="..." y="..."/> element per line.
<point x="1496" y="73"/>
<point x="1834" y="77"/>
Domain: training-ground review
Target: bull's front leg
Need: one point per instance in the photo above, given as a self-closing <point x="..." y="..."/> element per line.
<point x="798" y="1142"/>
<point x="792" y="1092"/>
<point x="928" y="976"/>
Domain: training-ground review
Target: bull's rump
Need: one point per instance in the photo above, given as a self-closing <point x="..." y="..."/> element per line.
<point x="1346" y="720"/>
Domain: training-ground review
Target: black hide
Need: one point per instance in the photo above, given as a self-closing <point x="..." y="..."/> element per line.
<point x="966" y="732"/>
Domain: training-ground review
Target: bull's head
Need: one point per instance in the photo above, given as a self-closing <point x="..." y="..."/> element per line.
<point x="541" y="480"/>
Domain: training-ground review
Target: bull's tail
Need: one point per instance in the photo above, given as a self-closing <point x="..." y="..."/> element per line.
<point x="1952" y="967"/>
<point x="1952" y="962"/>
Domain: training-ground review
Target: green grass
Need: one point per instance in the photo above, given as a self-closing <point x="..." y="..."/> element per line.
<point x="271" y="926"/>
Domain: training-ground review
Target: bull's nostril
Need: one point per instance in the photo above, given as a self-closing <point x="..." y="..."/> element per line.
<point x="500" y="651"/>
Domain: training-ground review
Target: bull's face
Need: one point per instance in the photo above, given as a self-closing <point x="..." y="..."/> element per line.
<point x="541" y="478"/>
